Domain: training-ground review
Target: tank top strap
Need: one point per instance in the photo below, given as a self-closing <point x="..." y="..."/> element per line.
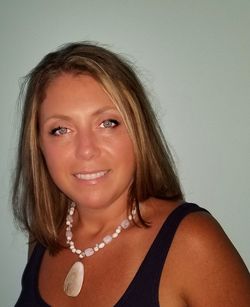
<point x="161" y="245"/>
<point x="147" y="279"/>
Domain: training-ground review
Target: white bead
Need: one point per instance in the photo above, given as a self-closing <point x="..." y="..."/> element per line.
<point x="96" y="248"/>
<point x="101" y="245"/>
<point x="89" y="252"/>
<point x="69" y="218"/>
<point x="73" y="250"/>
<point x="81" y="256"/>
<point x="125" y="224"/>
<point x="118" y="230"/>
<point x="78" y="251"/>
<point x="68" y="234"/>
<point x="130" y="217"/>
<point x="114" y="235"/>
<point x="107" y="239"/>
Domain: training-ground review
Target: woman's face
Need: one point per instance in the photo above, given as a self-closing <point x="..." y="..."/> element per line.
<point x="85" y="143"/>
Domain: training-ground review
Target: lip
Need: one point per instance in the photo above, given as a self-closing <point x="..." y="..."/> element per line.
<point x="91" y="176"/>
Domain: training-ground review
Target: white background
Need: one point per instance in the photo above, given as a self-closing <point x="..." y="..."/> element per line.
<point x="194" y="58"/>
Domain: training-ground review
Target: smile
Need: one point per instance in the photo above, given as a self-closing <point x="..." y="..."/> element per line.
<point x="91" y="176"/>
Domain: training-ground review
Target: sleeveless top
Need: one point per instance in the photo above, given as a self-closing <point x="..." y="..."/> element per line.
<point x="143" y="289"/>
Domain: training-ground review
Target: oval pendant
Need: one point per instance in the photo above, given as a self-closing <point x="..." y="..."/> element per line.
<point x="74" y="279"/>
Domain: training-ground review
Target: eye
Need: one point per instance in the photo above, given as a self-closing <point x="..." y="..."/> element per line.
<point x="59" y="131"/>
<point x="109" y="123"/>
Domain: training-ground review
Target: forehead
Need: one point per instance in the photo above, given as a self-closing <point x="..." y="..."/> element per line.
<point x="76" y="90"/>
<point x="74" y="84"/>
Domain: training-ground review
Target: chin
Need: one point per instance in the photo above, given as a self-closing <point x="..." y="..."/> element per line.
<point x="93" y="202"/>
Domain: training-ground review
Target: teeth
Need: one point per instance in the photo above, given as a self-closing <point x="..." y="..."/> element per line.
<point x="91" y="176"/>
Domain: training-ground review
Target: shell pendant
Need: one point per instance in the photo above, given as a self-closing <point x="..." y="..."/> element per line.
<point x="74" y="279"/>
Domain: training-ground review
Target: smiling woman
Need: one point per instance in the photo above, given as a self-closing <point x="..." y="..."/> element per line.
<point x="94" y="171"/>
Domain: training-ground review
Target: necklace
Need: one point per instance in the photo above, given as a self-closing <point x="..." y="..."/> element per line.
<point x="75" y="277"/>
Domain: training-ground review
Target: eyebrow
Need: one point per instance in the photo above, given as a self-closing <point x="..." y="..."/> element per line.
<point x="105" y="109"/>
<point x="97" y="112"/>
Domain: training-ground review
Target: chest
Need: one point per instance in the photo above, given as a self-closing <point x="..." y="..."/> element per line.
<point x="107" y="274"/>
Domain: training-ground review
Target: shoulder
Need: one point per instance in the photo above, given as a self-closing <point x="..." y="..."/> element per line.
<point x="204" y="265"/>
<point x="200" y="233"/>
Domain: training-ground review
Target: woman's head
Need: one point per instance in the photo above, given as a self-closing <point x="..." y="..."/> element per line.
<point x="37" y="200"/>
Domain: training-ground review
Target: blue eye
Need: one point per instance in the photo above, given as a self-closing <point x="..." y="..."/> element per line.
<point x="109" y="123"/>
<point x="59" y="131"/>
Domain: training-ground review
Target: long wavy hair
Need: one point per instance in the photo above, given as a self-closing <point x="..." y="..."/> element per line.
<point x="39" y="206"/>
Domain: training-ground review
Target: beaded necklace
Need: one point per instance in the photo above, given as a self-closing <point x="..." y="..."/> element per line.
<point x="75" y="277"/>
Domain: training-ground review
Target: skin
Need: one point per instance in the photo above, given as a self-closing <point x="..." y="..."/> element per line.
<point x="202" y="267"/>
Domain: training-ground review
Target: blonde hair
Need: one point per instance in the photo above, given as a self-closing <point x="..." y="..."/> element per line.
<point x="38" y="205"/>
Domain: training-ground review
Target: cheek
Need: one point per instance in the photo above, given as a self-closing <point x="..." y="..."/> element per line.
<point x="54" y="159"/>
<point x="125" y="152"/>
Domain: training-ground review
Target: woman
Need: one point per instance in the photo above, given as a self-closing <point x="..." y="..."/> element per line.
<point x="97" y="191"/>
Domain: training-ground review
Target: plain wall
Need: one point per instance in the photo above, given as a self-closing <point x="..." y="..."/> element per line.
<point x="193" y="57"/>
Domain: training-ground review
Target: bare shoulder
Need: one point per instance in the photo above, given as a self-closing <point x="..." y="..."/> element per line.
<point x="201" y="233"/>
<point x="204" y="266"/>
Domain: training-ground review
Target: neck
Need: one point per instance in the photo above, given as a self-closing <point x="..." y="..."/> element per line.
<point x="97" y="220"/>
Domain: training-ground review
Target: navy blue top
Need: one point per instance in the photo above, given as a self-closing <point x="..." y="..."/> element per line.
<point x="143" y="289"/>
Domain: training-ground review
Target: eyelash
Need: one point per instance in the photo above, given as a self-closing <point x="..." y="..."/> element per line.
<point x="56" y="130"/>
<point x="110" y="123"/>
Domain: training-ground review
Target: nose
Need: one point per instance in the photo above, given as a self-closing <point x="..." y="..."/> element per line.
<point x="87" y="146"/>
